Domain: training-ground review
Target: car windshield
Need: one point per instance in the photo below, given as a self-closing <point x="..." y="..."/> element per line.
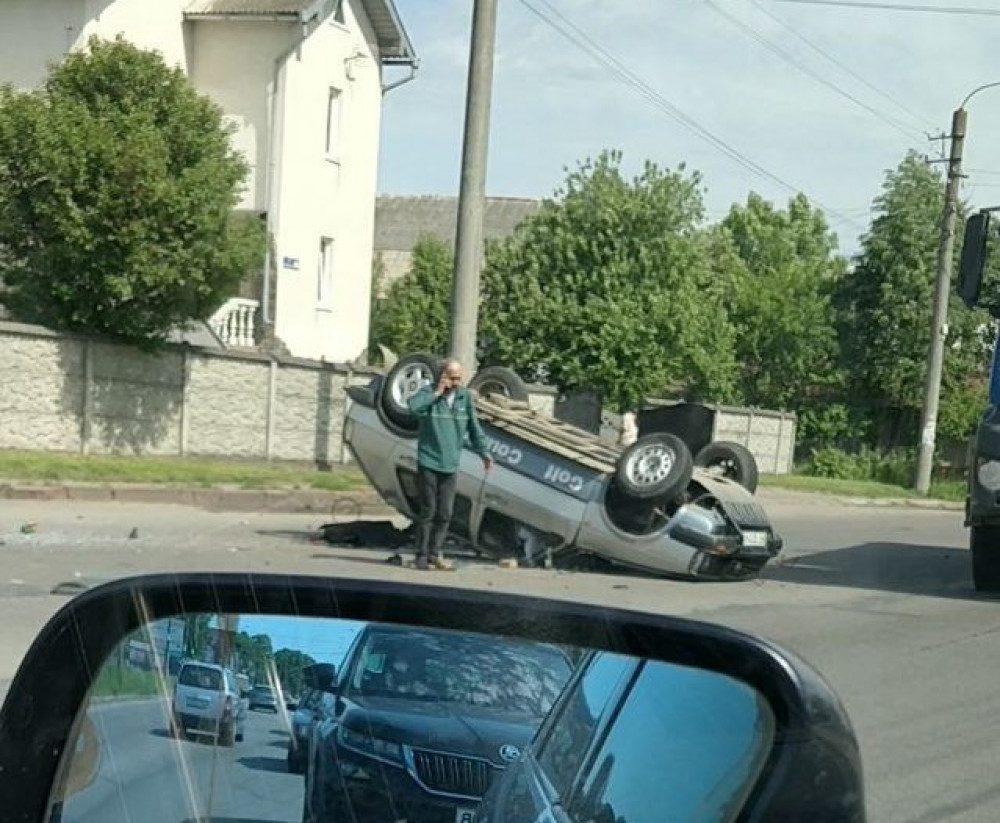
<point x="462" y="670"/>
<point x="201" y="677"/>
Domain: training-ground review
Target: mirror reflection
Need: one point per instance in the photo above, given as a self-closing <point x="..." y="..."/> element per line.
<point x="257" y="719"/>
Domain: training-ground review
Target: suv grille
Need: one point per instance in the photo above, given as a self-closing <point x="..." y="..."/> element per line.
<point x="450" y="774"/>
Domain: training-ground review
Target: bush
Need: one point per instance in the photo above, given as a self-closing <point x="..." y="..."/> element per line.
<point x="896" y="468"/>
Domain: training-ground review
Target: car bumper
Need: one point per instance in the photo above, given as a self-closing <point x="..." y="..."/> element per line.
<point x="367" y="790"/>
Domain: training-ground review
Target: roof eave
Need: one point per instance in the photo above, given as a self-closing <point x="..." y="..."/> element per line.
<point x="402" y="54"/>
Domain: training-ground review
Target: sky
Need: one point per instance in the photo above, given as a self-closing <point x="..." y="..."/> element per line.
<point x="326" y="640"/>
<point x="813" y="97"/>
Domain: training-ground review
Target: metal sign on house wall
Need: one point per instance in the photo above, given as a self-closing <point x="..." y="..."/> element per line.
<point x="291" y="263"/>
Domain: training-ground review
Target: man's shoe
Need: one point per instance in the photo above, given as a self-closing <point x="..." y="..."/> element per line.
<point x="441" y="564"/>
<point x="421" y="563"/>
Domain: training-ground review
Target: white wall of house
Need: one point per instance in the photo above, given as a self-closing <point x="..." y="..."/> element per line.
<point x="235" y="63"/>
<point x="326" y="221"/>
<point x="36" y="33"/>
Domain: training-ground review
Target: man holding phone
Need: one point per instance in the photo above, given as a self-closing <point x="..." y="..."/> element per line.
<point x="446" y="415"/>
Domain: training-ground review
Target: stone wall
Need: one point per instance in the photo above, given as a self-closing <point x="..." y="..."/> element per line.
<point x="72" y="394"/>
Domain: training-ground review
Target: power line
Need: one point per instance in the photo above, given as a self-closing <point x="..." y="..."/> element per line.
<point x="819" y="78"/>
<point x="863" y="4"/>
<point x="578" y="37"/>
<point x="838" y="63"/>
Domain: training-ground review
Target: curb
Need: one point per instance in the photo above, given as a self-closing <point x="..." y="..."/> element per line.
<point x="778" y="495"/>
<point x="283" y="501"/>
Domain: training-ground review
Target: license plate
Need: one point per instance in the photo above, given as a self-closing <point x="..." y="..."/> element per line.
<point x="197" y="702"/>
<point x="465" y="815"/>
<point x="757" y="540"/>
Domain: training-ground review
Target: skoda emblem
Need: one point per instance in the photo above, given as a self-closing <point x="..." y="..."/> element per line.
<point x="509" y="753"/>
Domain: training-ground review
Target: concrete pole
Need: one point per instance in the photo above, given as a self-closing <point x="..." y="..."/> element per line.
<point x="939" y="327"/>
<point x="472" y="194"/>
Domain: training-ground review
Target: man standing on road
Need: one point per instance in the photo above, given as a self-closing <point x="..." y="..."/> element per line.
<point x="446" y="415"/>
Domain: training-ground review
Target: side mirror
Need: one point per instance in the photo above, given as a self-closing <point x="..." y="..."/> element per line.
<point x="973" y="264"/>
<point x="322" y="676"/>
<point x="764" y="736"/>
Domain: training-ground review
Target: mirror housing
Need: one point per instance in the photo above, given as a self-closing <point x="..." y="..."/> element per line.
<point x="813" y="769"/>
<point x="322" y="676"/>
<point x="974" y="255"/>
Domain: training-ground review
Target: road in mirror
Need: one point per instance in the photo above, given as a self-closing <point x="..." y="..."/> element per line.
<point x="256" y="719"/>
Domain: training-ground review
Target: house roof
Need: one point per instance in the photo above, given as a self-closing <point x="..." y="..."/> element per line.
<point x="400" y="221"/>
<point x="393" y="42"/>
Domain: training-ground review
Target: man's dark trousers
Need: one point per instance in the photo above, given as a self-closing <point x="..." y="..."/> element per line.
<point x="437" y="502"/>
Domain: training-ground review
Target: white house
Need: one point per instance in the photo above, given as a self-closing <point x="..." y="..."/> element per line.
<point x="302" y="80"/>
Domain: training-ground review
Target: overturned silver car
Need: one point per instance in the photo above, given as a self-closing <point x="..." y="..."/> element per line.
<point x="557" y="492"/>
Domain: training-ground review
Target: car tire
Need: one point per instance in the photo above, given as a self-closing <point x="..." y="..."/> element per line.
<point x="405" y="379"/>
<point x="499" y="380"/>
<point x="227" y="735"/>
<point x="984" y="542"/>
<point x="655" y="467"/>
<point x="735" y="461"/>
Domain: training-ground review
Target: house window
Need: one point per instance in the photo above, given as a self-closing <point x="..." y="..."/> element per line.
<point x="333" y="118"/>
<point x="324" y="282"/>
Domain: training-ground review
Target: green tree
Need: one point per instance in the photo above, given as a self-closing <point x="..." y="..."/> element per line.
<point x="196" y="635"/>
<point x="782" y="308"/>
<point x="416" y="312"/>
<point x="611" y="286"/>
<point x="289" y="664"/>
<point x="117" y="188"/>
<point x="885" y="303"/>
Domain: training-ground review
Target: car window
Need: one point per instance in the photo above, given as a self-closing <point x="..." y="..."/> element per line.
<point x="567" y="742"/>
<point x="201" y="677"/>
<point x="483" y="672"/>
<point x="704" y="754"/>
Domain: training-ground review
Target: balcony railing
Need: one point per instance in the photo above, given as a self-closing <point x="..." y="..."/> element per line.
<point x="234" y="322"/>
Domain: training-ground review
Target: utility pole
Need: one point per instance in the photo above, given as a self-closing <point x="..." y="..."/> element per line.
<point x="472" y="193"/>
<point x="939" y="326"/>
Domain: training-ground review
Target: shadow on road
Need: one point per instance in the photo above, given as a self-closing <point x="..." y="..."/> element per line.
<point x="264" y="764"/>
<point x="892" y="567"/>
<point x="161" y="733"/>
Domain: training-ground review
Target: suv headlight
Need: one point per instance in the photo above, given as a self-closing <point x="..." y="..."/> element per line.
<point x="384" y="750"/>
<point x="988" y="473"/>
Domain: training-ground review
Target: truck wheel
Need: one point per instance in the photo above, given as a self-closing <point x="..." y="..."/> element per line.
<point x="499" y="380"/>
<point x="732" y="461"/>
<point x="984" y="541"/>
<point x="655" y="467"/>
<point x="409" y="374"/>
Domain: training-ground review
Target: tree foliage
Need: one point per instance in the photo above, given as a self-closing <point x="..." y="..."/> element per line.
<point x="117" y="188"/>
<point x="415" y="314"/>
<point x="885" y="318"/>
<point x="289" y="664"/>
<point x="611" y="286"/>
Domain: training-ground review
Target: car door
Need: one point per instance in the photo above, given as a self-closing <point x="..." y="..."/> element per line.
<point x="533" y="487"/>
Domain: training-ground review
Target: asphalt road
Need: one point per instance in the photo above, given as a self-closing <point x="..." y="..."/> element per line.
<point x="147" y="775"/>
<point x="879" y="599"/>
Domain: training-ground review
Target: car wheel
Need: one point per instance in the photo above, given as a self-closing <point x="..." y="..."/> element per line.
<point x="655" y="467"/>
<point x="984" y="541"/>
<point x="405" y="379"/>
<point x="227" y="735"/>
<point x="733" y="461"/>
<point x="499" y="380"/>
